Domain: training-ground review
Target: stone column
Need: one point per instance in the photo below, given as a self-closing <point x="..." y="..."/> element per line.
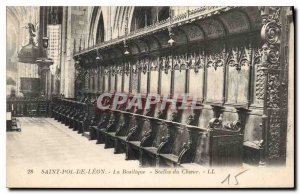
<point x="63" y="50"/>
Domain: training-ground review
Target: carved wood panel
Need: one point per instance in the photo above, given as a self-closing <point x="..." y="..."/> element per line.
<point x="166" y="65"/>
<point x="216" y="57"/>
<point x="154" y="74"/>
<point x="100" y="78"/>
<point x="253" y="130"/>
<point x="91" y="79"/>
<point x="180" y="67"/>
<point x="236" y="22"/>
<point x="204" y="118"/>
<point x="126" y="76"/>
<point x="196" y="73"/>
<point x="212" y="28"/>
<point x="146" y="129"/>
<point x="187" y="115"/>
<point x="106" y="79"/>
<point x="162" y="131"/>
<point x="112" y="78"/>
<point x="126" y="82"/>
<point x="179" y="82"/>
<point x="119" y="83"/>
<point x="96" y="79"/>
<point x="273" y="34"/>
<point x="144" y="82"/>
<point x="134" y="77"/>
<point x="238" y="67"/>
<point x="154" y="82"/>
<point x="86" y="81"/>
<point x="259" y="78"/>
<point x="202" y="150"/>
<point x="182" y="137"/>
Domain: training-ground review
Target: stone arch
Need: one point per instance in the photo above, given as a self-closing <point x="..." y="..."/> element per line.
<point x="141" y="16"/>
<point x="97" y="26"/>
<point x="119" y="22"/>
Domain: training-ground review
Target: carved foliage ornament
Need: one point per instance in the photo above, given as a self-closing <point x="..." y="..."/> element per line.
<point x="135" y="68"/>
<point x="273" y="91"/>
<point x="216" y="59"/>
<point x="239" y="57"/>
<point x="119" y="69"/>
<point x="113" y="70"/>
<point x="165" y="64"/>
<point x="147" y="128"/>
<point x="144" y="65"/>
<point x="215" y="124"/>
<point x="260" y="75"/>
<point x="122" y="124"/>
<point x="106" y="70"/>
<point x="270" y="34"/>
<point x="197" y="61"/>
<point x="275" y="134"/>
<point x="154" y="64"/>
<point x="181" y="62"/>
<point x="126" y="68"/>
<point x="190" y="120"/>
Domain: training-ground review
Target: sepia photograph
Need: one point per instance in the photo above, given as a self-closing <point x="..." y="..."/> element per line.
<point x="150" y="96"/>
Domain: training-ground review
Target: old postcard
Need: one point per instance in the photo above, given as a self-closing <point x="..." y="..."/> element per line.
<point x="150" y="96"/>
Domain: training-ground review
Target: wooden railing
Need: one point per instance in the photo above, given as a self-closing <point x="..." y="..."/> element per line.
<point x="27" y="106"/>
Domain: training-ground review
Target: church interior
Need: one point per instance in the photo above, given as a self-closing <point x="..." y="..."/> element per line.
<point x="234" y="63"/>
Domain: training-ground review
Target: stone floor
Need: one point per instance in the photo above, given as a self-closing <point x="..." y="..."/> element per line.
<point x="45" y="143"/>
<point x="47" y="154"/>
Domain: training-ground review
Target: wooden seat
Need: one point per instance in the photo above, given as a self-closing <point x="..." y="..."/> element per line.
<point x="135" y="137"/>
<point x="70" y="117"/>
<point x="150" y="144"/>
<point x="94" y="121"/>
<point x="83" y="123"/>
<point x="77" y="123"/>
<point x="111" y="126"/>
<point x="121" y="134"/>
<point x="104" y="117"/>
<point x="91" y="115"/>
<point x="32" y="109"/>
<point x="110" y="135"/>
<point x="65" y="114"/>
<point x="107" y="121"/>
<point x="43" y="108"/>
<point x="176" y="148"/>
<point x="217" y="145"/>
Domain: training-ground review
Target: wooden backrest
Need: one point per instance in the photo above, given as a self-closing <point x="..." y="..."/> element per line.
<point x="122" y="120"/>
<point x="202" y="149"/>
<point x="173" y="114"/>
<point x="186" y="115"/>
<point x="182" y="137"/>
<point x="112" y="118"/>
<point x="150" y="112"/>
<point x="132" y="123"/>
<point x="144" y="129"/>
<point x="161" y="131"/>
<point x="103" y="118"/>
<point x="159" y="112"/>
<point x="205" y="116"/>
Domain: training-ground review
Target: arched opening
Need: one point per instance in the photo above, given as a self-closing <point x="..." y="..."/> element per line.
<point x="96" y="34"/>
<point x="145" y="16"/>
<point x="100" y="30"/>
